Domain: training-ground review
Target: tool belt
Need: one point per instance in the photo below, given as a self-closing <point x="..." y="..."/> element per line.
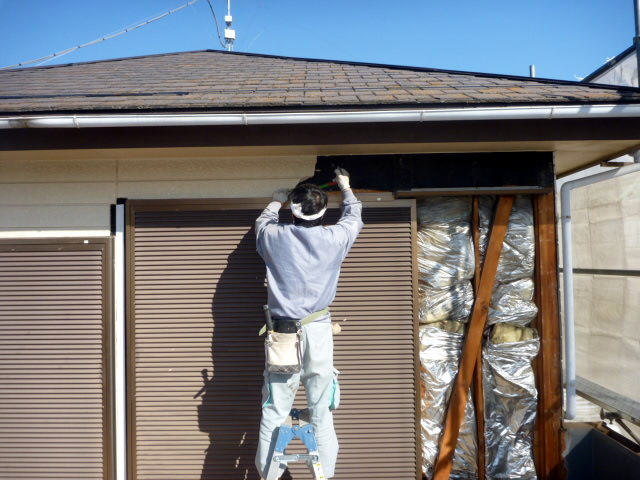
<point x="283" y="345"/>
<point x="308" y="319"/>
<point x="282" y="325"/>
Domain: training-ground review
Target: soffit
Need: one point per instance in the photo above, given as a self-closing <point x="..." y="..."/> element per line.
<point x="569" y="155"/>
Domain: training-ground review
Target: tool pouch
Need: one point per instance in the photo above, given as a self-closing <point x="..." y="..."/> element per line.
<point x="283" y="352"/>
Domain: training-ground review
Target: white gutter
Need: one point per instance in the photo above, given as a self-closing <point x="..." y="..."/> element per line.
<point x="288" y="118"/>
<point x="567" y="276"/>
<point x="120" y="348"/>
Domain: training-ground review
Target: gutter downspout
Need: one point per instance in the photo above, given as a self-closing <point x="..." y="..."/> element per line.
<point x="287" y="118"/>
<point x="567" y="277"/>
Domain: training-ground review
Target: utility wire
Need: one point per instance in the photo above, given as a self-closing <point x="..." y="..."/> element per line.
<point x="106" y="37"/>
<point x="215" y="19"/>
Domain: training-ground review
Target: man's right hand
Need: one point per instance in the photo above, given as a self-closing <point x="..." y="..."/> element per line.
<point x="342" y="178"/>
<point x="281" y="195"/>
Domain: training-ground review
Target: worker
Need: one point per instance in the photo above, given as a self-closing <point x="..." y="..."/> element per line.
<point x="303" y="262"/>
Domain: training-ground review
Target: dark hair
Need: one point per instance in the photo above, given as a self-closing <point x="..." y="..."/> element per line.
<point x="311" y="199"/>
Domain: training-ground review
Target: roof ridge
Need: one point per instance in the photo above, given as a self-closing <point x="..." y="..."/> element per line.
<point x="105" y="60"/>
<point x="348" y="62"/>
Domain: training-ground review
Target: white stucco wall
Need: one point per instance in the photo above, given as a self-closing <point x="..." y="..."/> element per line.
<point x="57" y="197"/>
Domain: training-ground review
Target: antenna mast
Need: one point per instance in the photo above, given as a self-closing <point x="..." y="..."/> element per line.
<point x="229" y="33"/>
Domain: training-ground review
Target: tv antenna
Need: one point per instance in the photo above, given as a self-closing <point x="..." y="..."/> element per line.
<point x="229" y="33"/>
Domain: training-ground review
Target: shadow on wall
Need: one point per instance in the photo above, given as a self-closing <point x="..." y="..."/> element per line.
<point x="231" y="394"/>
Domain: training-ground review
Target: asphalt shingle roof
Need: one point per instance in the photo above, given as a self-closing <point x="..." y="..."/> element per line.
<point x="215" y="80"/>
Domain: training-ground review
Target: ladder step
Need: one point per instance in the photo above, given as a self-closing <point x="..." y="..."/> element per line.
<point x="296" y="458"/>
<point x="287" y="432"/>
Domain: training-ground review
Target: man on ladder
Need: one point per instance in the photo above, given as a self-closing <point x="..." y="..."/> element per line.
<point x="303" y="262"/>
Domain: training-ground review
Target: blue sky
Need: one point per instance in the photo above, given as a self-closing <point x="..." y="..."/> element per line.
<point x="565" y="39"/>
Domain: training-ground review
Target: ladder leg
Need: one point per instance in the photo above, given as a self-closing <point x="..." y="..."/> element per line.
<point x="285" y="435"/>
<point x="308" y="437"/>
<point x="316" y="467"/>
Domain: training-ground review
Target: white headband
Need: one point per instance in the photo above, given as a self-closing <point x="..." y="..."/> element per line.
<point x="296" y="209"/>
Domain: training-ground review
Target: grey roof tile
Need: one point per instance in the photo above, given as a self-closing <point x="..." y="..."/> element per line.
<point x="214" y="80"/>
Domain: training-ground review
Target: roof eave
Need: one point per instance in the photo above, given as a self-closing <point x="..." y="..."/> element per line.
<point x="382" y="114"/>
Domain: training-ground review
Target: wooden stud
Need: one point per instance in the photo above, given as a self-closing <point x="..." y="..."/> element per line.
<point x="548" y="441"/>
<point x="478" y="390"/>
<point x="473" y="341"/>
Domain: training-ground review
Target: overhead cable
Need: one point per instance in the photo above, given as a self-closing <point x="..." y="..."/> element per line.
<point x="215" y="20"/>
<point x="102" y="39"/>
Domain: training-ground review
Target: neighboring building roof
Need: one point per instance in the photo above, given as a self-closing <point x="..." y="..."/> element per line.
<point x="215" y="80"/>
<point x="610" y="64"/>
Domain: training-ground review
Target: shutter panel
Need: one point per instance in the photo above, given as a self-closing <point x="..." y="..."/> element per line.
<point x="198" y="288"/>
<point x="54" y="384"/>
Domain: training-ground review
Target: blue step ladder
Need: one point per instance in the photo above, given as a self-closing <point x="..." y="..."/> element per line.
<point x="304" y="431"/>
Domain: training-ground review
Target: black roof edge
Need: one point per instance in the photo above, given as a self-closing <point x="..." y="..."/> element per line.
<point x="348" y="62"/>
<point x="610" y="63"/>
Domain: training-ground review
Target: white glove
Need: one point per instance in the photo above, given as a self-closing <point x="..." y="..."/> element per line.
<point x="342" y="178"/>
<point x="281" y="195"/>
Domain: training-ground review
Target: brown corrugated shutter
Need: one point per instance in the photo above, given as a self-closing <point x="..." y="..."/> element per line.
<point x="197" y="288"/>
<point x="55" y="419"/>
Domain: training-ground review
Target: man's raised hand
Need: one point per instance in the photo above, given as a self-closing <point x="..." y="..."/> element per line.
<point x="342" y="178"/>
<point x="281" y="195"/>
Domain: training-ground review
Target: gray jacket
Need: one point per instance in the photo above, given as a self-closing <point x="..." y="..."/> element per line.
<point x="303" y="263"/>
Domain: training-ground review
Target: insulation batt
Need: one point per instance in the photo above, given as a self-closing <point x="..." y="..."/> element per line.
<point x="512" y="302"/>
<point x="510" y="402"/>
<point x="445" y="248"/>
<point x="440" y="348"/>
<point x="445" y="257"/>
<point x="443" y="212"/>
<point x="453" y="303"/>
<point x="507" y="333"/>
<point x="518" y="251"/>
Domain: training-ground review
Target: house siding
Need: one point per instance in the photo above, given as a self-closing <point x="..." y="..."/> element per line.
<point x="45" y="197"/>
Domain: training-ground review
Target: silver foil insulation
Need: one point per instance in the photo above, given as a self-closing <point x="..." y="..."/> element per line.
<point x="513" y="303"/>
<point x="446" y="266"/>
<point x="509" y="383"/>
<point x="440" y="347"/>
<point x="453" y="303"/>
<point x="446" y="259"/>
<point x="445" y="249"/>
<point x="510" y="408"/>
<point x="446" y="263"/>
<point x="517" y="258"/>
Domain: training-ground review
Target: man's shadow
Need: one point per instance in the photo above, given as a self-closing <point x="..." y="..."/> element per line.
<point x="231" y="393"/>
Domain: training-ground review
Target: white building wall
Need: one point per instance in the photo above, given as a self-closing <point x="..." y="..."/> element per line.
<point x="42" y="197"/>
<point x="606" y="236"/>
<point x="623" y="73"/>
